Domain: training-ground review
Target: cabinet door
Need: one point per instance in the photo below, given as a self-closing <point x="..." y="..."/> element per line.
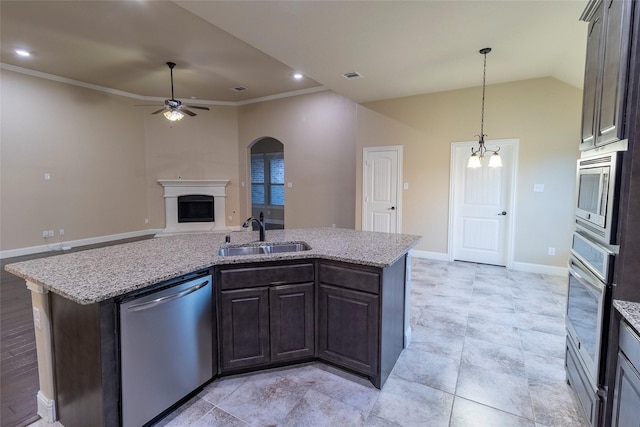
<point x="292" y="322"/>
<point x="591" y="80"/>
<point x="626" y="403"/>
<point x="348" y="326"/>
<point x="244" y="327"/>
<point x="614" y="71"/>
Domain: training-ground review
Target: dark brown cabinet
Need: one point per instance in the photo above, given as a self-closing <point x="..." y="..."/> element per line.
<point x="292" y="322"/>
<point x="606" y="72"/>
<point x="348" y="322"/>
<point x="361" y="317"/>
<point x="244" y="327"/>
<point x="266" y="315"/>
<point x="627" y="387"/>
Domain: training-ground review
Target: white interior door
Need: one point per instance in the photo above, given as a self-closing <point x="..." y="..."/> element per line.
<point x="482" y="211"/>
<point x="381" y="175"/>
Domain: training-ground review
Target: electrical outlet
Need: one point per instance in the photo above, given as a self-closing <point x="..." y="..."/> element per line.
<point x="61" y="232"/>
<point x="47" y="176"/>
<point x="50" y="233"/>
<point x="45" y="234"/>
<point x="551" y="251"/>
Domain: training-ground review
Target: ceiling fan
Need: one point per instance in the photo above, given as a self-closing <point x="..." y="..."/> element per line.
<point x="173" y="108"/>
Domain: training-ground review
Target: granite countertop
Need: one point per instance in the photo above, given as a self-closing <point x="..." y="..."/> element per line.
<point x="630" y="311"/>
<point x="95" y="275"/>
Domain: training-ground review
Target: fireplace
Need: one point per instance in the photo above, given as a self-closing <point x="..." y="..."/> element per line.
<point x="194" y="205"/>
<point x="195" y="208"/>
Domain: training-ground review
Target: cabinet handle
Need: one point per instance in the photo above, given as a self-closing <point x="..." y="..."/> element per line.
<point x="277" y="283"/>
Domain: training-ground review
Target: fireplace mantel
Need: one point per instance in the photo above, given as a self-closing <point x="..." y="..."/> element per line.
<point x="173" y="188"/>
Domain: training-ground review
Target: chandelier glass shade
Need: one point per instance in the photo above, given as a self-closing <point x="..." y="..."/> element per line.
<point x="478" y="154"/>
<point x="173" y="115"/>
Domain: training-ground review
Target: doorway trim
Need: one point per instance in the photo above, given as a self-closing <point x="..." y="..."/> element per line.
<point x="514" y="143"/>
<point x="399" y="185"/>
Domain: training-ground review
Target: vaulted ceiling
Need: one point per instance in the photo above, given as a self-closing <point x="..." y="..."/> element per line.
<point x="400" y="48"/>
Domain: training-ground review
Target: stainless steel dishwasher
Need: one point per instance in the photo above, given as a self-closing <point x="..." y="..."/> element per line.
<point x="165" y="347"/>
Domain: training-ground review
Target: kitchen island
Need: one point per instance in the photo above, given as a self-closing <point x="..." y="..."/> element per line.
<point x="342" y="301"/>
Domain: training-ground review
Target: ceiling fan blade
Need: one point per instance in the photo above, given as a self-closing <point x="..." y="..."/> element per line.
<point x="197" y="107"/>
<point x="190" y="113"/>
<point x="159" y="111"/>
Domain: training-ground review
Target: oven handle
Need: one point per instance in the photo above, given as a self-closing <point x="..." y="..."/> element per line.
<point x="585" y="277"/>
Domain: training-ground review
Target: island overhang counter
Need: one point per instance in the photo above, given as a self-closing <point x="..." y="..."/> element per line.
<point x="364" y="273"/>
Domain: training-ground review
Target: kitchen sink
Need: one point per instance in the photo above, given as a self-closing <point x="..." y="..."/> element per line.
<point x="270" y="248"/>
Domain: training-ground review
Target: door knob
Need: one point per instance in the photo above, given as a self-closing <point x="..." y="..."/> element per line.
<point x="503" y="213"/>
<point x="392" y="208"/>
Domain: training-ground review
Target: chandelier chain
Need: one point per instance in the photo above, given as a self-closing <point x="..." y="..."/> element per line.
<point x="484" y="78"/>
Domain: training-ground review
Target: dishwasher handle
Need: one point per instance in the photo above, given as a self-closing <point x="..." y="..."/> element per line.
<point x="167" y="298"/>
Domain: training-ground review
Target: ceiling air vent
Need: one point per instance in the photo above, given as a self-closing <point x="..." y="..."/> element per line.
<point x="352" y="75"/>
<point x="238" y="89"/>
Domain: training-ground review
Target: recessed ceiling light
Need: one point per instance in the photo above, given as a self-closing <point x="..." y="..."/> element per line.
<point x="23" y="52"/>
<point x="298" y="76"/>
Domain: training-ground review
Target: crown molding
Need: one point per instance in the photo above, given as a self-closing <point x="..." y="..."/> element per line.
<point x="73" y="82"/>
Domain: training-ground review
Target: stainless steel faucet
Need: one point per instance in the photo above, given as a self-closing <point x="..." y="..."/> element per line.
<point x="260" y="222"/>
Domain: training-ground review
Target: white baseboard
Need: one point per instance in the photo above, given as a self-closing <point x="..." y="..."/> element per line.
<point x="46" y="408"/>
<point x="539" y="268"/>
<point x="516" y="265"/>
<point x="407" y="337"/>
<point x="437" y="256"/>
<point x="74" y="243"/>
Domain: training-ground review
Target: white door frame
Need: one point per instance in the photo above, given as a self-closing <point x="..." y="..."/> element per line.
<point x="399" y="184"/>
<point x="514" y="143"/>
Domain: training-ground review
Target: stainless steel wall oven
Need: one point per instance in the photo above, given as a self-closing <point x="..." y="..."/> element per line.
<point x="587" y="319"/>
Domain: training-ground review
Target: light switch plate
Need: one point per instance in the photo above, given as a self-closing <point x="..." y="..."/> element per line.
<point x="538" y="188"/>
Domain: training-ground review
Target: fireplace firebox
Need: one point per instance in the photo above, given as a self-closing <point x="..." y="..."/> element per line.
<point x="195" y="208"/>
<point x="204" y="216"/>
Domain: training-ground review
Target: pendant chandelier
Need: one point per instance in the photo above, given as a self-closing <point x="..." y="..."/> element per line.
<point x="477" y="155"/>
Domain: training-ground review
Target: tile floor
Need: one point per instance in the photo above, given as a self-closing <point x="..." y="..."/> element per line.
<point x="487" y="350"/>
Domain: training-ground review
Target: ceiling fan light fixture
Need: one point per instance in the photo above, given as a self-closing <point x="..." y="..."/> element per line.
<point x="173" y="115"/>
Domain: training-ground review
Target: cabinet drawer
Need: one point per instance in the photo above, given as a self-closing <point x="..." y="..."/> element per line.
<point x="359" y="280"/>
<point x="630" y="345"/>
<point x="238" y="278"/>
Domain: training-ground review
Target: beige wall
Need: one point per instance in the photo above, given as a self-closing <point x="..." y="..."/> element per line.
<point x="105" y="157"/>
<point x="544" y="113"/>
<point x="90" y="142"/>
<point x="318" y="133"/>
<point x="201" y="147"/>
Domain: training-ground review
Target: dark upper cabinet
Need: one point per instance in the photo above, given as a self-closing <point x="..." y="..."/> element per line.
<point x="606" y="72"/>
<point x="591" y="71"/>
<point x="266" y="314"/>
